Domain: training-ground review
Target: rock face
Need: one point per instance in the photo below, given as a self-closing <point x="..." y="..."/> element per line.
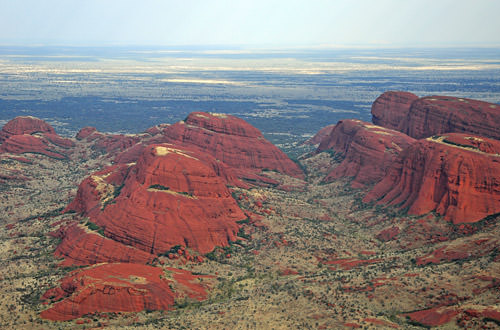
<point x="33" y="135"/>
<point x="455" y="175"/>
<point x="435" y="115"/>
<point x="391" y="109"/>
<point x="117" y="288"/>
<point x="25" y="125"/>
<point x="20" y="144"/>
<point x="111" y="144"/>
<point x="85" y="132"/>
<point x="318" y="137"/>
<point x="368" y="149"/>
<point x="81" y="246"/>
<point x="232" y="141"/>
<point x="168" y="198"/>
<point x="98" y="189"/>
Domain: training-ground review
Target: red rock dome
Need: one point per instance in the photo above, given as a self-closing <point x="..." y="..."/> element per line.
<point x="168" y="198"/>
<point x="368" y="150"/>
<point x="455" y="175"/>
<point x="25" y="125"/>
<point x="391" y="109"/>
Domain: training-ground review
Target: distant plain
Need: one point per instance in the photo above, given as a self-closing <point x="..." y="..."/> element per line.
<point x="288" y="94"/>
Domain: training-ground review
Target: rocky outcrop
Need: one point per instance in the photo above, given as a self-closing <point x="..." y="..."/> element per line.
<point x="32" y="135"/>
<point x="434" y="317"/>
<point x="368" y="150"/>
<point x="82" y="246"/>
<point x="168" y="198"/>
<point x="20" y="144"/>
<point x="462" y="314"/>
<point x="391" y="109"/>
<point x="455" y="175"/>
<point x="98" y="189"/>
<point x="111" y="144"/>
<point x="24" y="125"/>
<point x="318" y="137"/>
<point x="229" y="174"/>
<point x="461" y="249"/>
<point x="435" y="115"/>
<point x="85" y="132"/>
<point x="118" y="288"/>
<point x="230" y="140"/>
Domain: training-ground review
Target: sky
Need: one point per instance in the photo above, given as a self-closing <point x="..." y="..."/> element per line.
<point x="274" y="23"/>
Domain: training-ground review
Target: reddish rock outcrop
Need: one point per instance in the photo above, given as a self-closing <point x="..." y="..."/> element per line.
<point x="81" y="246"/>
<point x="85" y="132"/>
<point x="20" y="144"/>
<point x="33" y="135"/>
<point x="473" y="247"/>
<point x="168" y="198"/>
<point x="118" y="288"/>
<point x="391" y="109"/>
<point x="229" y="174"/>
<point x="110" y="144"/>
<point x="98" y="189"/>
<point x="24" y="125"/>
<point x="434" y="317"/>
<point x="455" y="175"/>
<point x="368" y="149"/>
<point x="318" y="137"/>
<point x="232" y="141"/>
<point x="441" y="315"/>
<point x="59" y="141"/>
<point x="114" y="143"/>
<point x="435" y="115"/>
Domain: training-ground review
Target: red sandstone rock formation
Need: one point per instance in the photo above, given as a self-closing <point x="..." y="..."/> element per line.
<point x="98" y="189"/>
<point x="59" y="141"/>
<point x="85" y="132"/>
<point x="118" y="288"/>
<point x="81" y="246"/>
<point x="368" y="149"/>
<point x="441" y="315"/>
<point x="25" y="125"/>
<point x="390" y="109"/>
<point x="111" y="144"/>
<point x="33" y="135"/>
<point x="20" y="144"/>
<point x="436" y="115"/>
<point x="224" y="171"/>
<point x="230" y="140"/>
<point x="168" y="198"/>
<point x="455" y="175"/>
<point x="472" y="247"/>
<point x="434" y="316"/>
<point x="318" y="137"/>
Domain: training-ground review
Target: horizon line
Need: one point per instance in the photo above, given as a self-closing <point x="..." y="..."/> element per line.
<point x="252" y="46"/>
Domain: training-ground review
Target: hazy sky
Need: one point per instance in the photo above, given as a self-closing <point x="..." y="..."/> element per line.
<point x="250" y="22"/>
